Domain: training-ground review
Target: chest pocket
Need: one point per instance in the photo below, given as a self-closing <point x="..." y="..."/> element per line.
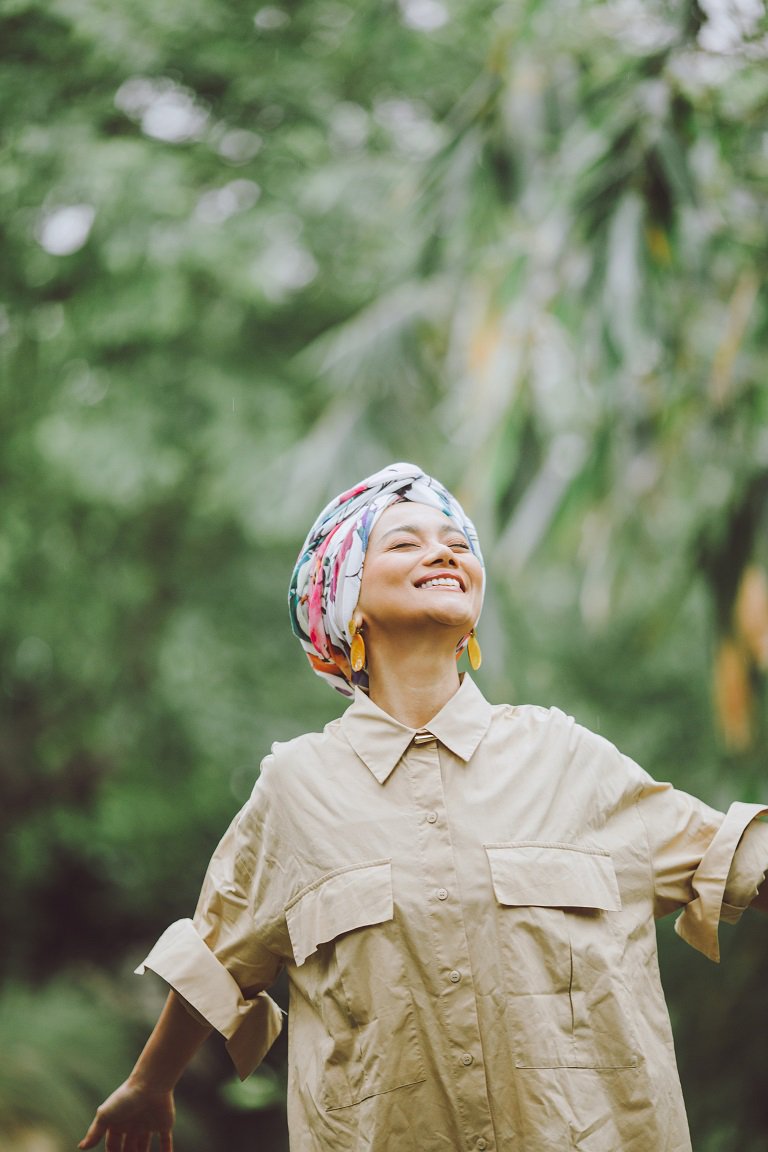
<point x="350" y="995"/>
<point x="566" y="1004"/>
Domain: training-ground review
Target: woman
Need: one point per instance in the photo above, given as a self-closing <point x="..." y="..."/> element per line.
<point x="462" y="895"/>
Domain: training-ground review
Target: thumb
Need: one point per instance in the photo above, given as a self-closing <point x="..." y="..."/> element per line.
<point x="93" y="1135"/>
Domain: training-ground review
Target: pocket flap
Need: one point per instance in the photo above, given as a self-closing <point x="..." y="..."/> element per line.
<point x="346" y="898"/>
<point x="553" y="876"/>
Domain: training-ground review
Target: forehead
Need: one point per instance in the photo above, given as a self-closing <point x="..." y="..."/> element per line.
<point x="408" y="514"/>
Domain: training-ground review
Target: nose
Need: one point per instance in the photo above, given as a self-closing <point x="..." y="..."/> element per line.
<point x="442" y="556"/>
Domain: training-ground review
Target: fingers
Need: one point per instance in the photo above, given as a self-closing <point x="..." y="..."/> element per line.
<point x="121" y="1142"/>
<point x="114" y="1141"/>
<point x="140" y="1142"/>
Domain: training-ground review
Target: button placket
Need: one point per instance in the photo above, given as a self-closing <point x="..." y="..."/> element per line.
<point x="461" y="1044"/>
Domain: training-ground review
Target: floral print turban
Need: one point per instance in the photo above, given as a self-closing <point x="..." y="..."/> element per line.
<point x="325" y="585"/>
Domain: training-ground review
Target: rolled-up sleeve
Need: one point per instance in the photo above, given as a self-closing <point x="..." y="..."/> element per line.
<point x="706" y="863"/>
<point x="217" y="962"/>
<point x="727" y="878"/>
<point x="250" y="1026"/>
<point x="750" y="863"/>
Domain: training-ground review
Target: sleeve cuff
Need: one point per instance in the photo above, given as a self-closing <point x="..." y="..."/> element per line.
<point x="699" y="921"/>
<point x="747" y="873"/>
<point x="250" y="1026"/>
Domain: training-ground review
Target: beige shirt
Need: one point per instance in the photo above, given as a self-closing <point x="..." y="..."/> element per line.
<point x="466" y="919"/>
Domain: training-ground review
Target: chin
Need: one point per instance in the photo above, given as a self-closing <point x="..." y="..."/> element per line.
<point x="459" y="621"/>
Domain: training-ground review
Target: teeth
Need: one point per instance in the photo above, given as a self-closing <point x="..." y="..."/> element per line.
<point x="442" y="582"/>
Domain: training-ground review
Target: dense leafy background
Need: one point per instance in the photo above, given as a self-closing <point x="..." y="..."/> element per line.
<point x="251" y="254"/>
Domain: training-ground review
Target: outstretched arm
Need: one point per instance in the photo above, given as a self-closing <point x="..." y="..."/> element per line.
<point x="143" y="1105"/>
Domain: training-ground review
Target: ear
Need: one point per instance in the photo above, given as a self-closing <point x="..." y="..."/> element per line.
<point x="356" y="623"/>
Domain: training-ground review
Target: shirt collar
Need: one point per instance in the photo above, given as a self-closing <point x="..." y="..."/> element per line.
<point x="380" y="740"/>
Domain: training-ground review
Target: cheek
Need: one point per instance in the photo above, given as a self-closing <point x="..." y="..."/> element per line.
<point x="477" y="587"/>
<point x="380" y="582"/>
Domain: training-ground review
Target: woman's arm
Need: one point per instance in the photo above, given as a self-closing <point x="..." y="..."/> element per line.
<point x="143" y="1105"/>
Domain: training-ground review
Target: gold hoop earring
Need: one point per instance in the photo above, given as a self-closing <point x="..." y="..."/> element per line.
<point x="357" y="650"/>
<point x="473" y="651"/>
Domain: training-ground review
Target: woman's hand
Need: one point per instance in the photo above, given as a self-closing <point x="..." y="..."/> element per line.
<point x="143" y="1105"/>
<point x="130" y="1117"/>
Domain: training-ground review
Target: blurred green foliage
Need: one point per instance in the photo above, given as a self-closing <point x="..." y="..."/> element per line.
<point x="251" y="254"/>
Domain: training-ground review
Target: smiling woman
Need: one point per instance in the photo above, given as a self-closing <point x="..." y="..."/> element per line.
<point x="421" y="595"/>
<point x="462" y="895"/>
<point x="326" y="583"/>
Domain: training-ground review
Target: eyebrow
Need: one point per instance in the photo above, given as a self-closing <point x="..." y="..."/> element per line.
<point x="446" y="529"/>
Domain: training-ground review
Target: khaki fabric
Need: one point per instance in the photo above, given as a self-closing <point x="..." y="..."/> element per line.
<point x="466" y="919"/>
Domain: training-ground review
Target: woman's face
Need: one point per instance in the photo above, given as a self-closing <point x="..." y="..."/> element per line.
<point x="419" y="567"/>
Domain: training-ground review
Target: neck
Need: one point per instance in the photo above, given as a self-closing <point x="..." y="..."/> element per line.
<point x="413" y="682"/>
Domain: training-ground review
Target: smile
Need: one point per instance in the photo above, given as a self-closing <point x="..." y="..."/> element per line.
<point x="449" y="582"/>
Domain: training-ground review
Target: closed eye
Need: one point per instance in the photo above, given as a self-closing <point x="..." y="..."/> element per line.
<point x="456" y="545"/>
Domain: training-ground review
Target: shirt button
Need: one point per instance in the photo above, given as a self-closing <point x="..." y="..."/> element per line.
<point x="467" y="1059"/>
<point x="431" y="817"/>
<point x="482" y="1144"/>
<point x="455" y="976"/>
<point x="442" y="893"/>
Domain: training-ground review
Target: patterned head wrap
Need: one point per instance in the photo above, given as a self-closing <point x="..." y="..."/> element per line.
<point x="325" y="585"/>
